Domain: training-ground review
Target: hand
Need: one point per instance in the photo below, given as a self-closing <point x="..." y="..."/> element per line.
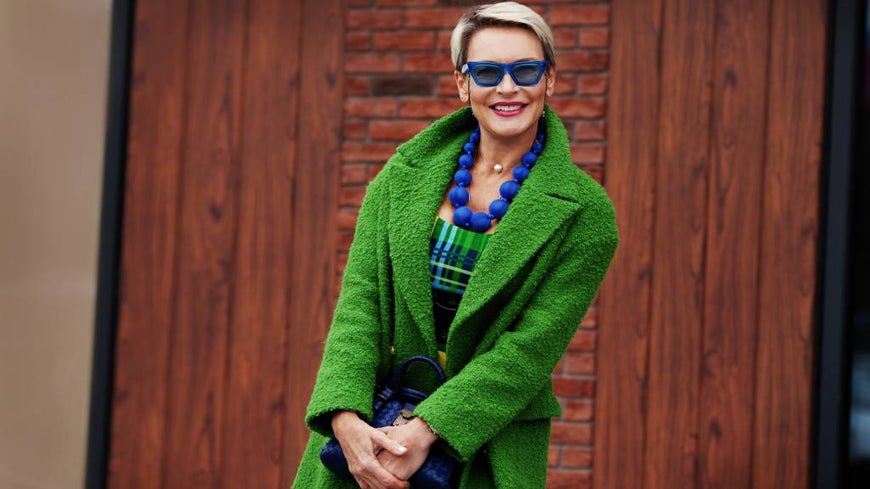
<point x="361" y="443"/>
<point x="417" y="437"/>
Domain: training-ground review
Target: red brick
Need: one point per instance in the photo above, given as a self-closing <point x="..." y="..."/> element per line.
<point x="396" y="130"/>
<point x="371" y="63"/>
<point x="589" y="131"/>
<point x="428" y="108"/>
<point x="374" y="170"/>
<point x="565" y="84"/>
<point x="592" y="85"/>
<point x="579" y="15"/>
<point x="351" y="195"/>
<point x="443" y="41"/>
<point x="357" y="41"/>
<point x="578" y="411"/>
<point x="374" y="19"/>
<point x="595" y="38"/>
<point x="553" y="456"/>
<point x="357" y="173"/>
<point x="403" y="3"/>
<point x="569" y="480"/>
<point x="596" y="172"/>
<point x="576" y="457"/>
<point x="427" y="63"/>
<point x="588" y="153"/>
<point x="580" y="363"/>
<point x="584" y="61"/>
<point x="574" y="387"/>
<point x="584" y="340"/>
<point x="359" y="3"/>
<point x="401" y="84"/>
<point x="590" y="320"/>
<point x="368" y="107"/>
<point x="341" y="262"/>
<point x="356" y="85"/>
<point x="447" y="86"/>
<point x="571" y="433"/>
<point x="588" y="108"/>
<point x="564" y="37"/>
<point x="347" y="219"/>
<point x="353" y="151"/>
<point x="345" y="238"/>
<point x="433" y="17"/>
<point x="404" y="41"/>
<point x="355" y="128"/>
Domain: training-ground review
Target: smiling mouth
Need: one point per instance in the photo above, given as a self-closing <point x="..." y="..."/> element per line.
<point x="507" y="107"/>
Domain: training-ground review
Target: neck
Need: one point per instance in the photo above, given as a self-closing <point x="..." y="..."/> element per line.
<point x="506" y="152"/>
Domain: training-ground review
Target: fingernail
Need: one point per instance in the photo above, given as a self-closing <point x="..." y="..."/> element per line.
<point x="402" y="449"/>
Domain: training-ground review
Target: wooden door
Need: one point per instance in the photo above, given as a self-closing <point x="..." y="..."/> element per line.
<point x="227" y="255"/>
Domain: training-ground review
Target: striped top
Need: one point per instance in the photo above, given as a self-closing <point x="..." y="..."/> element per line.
<point x="453" y="252"/>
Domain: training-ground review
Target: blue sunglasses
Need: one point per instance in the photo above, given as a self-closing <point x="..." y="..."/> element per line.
<point x="490" y="74"/>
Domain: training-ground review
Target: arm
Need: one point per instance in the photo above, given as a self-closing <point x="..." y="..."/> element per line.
<point x="495" y="386"/>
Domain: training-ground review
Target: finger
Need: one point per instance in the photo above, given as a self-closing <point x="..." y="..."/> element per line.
<point x="391" y="445"/>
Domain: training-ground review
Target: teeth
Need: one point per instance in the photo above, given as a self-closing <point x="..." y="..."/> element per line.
<point x="508" y="108"/>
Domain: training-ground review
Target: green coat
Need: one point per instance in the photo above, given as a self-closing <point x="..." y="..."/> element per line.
<point x="529" y="291"/>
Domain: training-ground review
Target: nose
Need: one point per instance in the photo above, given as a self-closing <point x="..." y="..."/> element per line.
<point x="506" y="85"/>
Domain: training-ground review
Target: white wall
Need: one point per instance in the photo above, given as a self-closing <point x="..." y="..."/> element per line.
<point x="53" y="86"/>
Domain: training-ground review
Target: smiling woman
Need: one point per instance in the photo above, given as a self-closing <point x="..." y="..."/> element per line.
<point x="517" y="240"/>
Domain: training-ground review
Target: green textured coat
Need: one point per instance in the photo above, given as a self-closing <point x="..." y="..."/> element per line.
<point x="530" y="289"/>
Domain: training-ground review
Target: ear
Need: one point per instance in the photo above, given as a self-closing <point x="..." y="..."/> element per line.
<point x="461" y="86"/>
<point x="551" y="81"/>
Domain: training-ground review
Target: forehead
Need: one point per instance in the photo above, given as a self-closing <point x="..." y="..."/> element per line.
<point x="504" y="44"/>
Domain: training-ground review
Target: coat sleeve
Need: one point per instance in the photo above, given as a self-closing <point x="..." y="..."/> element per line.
<point x="494" y="387"/>
<point x="347" y="374"/>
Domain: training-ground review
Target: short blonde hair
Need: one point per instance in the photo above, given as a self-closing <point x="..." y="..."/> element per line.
<point x="502" y="14"/>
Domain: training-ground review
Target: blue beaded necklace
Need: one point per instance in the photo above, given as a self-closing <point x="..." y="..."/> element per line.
<point x="480" y="222"/>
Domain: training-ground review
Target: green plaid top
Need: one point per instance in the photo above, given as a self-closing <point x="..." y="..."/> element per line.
<point x="453" y="252"/>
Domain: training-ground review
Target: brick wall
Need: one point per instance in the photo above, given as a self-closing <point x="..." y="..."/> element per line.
<point x="398" y="79"/>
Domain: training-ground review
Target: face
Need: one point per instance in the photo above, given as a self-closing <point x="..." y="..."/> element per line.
<point x="507" y="110"/>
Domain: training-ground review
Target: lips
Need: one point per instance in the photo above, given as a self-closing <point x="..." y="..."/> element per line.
<point x="508" y="108"/>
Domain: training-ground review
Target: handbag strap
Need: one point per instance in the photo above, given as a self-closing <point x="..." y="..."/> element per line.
<point x="400" y="372"/>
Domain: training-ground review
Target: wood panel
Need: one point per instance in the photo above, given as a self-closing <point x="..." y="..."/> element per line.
<point x="207" y="233"/>
<point x="678" y="243"/>
<point x="148" y="257"/>
<point x="622" y="388"/>
<point x="788" y="245"/>
<point x="733" y="230"/>
<point x="312" y="264"/>
<point x="258" y="340"/>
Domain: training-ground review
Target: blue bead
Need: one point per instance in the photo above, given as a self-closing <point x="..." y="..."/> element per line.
<point x="509" y="190"/>
<point x="469" y="147"/>
<point x="462" y="217"/>
<point x="480" y="222"/>
<point x="529" y="159"/>
<point x="537" y="148"/>
<point x="520" y="173"/>
<point x="475" y="136"/>
<point x="466" y="160"/>
<point x="462" y="177"/>
<point x="498" y="208"/>
<point x="458" y="196"/>
<point x="542" y="137"/>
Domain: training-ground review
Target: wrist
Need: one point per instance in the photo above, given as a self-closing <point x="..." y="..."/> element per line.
<point x="430" y="435"/>
<point x="342" y="418"/>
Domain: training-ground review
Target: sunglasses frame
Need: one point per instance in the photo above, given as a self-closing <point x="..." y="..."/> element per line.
<point x="468" y="69"/>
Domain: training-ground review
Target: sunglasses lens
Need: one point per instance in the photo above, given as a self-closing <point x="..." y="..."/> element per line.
<point x="487" y="75"/>
<point x="527" y="74"/>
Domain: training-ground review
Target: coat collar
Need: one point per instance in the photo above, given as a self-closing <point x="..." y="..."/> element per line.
<point x="420" y="178"/>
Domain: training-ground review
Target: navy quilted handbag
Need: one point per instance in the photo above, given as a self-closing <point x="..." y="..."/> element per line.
<point x="394" y="405"/>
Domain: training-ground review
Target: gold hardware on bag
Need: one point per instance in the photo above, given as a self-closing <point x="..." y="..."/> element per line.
<point x="404" y="417"/>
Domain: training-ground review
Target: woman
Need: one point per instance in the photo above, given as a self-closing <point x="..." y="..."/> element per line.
<point x="517" y="241"/>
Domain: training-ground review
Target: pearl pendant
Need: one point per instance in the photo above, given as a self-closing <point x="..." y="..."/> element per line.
<point x="497" y="168"/>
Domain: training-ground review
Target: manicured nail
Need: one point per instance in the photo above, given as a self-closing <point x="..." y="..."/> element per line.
<point x="402" y="449"/>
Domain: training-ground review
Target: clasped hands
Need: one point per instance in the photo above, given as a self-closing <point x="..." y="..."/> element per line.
<point x="382" y="458"/>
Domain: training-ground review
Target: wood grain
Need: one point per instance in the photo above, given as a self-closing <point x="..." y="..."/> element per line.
<point x="623" y="340"/>
<point x="677" y="319"/>
<point x="795" y="115"/>
<point x="733" y="230"/>
<point x="315" y="203"/>
<point x="149" y="246"/>
<point x="208" y="230"/>
<point x="255" y="404"/>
